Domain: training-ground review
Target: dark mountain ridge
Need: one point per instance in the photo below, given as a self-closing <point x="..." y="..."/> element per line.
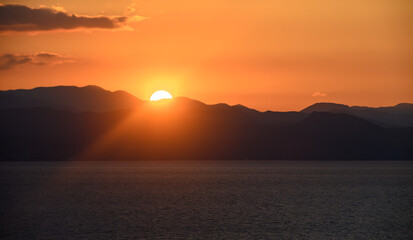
<point x="72" y="98"/>
<point x="400" y="115"/>
<point x="96" y="99"/>
<point x="186" y="129"/>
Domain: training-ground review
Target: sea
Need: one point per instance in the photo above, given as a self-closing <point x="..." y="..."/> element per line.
<point x="207" y="200"/>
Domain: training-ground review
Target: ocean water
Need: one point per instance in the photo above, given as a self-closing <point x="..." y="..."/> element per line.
<point x="206" y="200"/>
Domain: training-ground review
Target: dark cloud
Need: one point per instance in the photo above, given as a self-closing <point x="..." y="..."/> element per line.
<point x="22" y="18"/>
<point x="8" y="61"/>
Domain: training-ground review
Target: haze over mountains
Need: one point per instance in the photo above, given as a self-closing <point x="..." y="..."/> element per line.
<point x="90" y="123"/>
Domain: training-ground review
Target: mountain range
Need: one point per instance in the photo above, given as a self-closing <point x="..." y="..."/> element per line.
<point x="71" y="98"/>
<point x="90" y="123"/>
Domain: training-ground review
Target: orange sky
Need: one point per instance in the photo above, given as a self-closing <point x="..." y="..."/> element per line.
<point x="266" y="54"/>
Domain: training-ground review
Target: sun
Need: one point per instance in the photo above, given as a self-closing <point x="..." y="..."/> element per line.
<point x="161" y="94"/>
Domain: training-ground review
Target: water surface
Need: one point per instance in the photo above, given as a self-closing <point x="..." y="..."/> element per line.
<point x="210" y="200"/>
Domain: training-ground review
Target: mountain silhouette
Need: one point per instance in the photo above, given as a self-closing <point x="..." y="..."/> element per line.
<point x="326" y="107"/>
<point x="70" y="123"/>
<point x="77" y="99"/>
<point x="343" y="136"/>
<point x="398" y="115"/>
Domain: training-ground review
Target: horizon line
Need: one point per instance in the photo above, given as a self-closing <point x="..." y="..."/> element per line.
<point x="268" y="110"/>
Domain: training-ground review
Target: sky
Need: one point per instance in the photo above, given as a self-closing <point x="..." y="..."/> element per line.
<point x="264" y="54"/>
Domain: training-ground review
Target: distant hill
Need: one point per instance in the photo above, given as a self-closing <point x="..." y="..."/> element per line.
<point x="344" y="136"/>
<point x="326" y="107"/>
<point x="394" y="116"/>
<point x="235" y="113"/>
<point x="96" y="99"/>
<point x="76" y="99"/>
<point x="195" y="134"/>
<point x="337" y="123"/>
<point x="89" y="123"/>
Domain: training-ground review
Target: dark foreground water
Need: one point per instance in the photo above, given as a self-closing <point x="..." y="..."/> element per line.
<point x="210" y="200"/>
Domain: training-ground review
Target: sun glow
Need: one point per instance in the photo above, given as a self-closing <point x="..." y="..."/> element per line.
<point x="161" y="94"/>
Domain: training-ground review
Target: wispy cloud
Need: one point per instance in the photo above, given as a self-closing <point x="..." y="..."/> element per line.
<point x="20" y="18"/>
<point x="9" y="61"/>
<point x="319" y="94"/>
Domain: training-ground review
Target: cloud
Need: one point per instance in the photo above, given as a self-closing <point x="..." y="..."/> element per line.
<point x="9" y="61"/>
<point x="319" y="94"/>
<point x="20" y="18"/>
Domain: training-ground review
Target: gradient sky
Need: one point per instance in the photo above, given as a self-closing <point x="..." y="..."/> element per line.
<point x="265" y="54"/>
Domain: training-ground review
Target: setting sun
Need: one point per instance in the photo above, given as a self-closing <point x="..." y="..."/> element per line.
<point x="161" y="94"/>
